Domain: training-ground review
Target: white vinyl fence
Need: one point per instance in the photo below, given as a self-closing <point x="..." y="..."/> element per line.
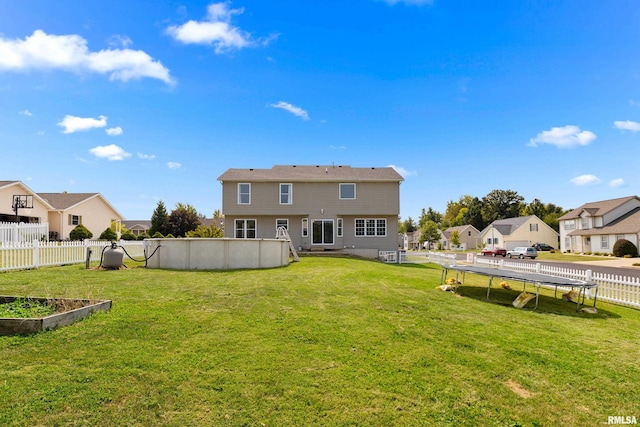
<point x="14" y="232"/>
<point x="614" y="288"/>
<point x="21" y="256"/>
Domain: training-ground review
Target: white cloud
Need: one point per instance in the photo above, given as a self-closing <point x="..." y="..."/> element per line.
<point x="26" y="113"/>
<point x="42" y="51"/>
<point x="146" y="156"/>
<point x="109" y="152"/>
<point x="215" y="30"/>
<point x="119" y="40"/>
<point x="114" y="131"/>
<point x="619" y="182"/>
<point x="174" y="165"/>
<point x="292" y="109"/>
<point x="627" y="125"/>
<point x="585" y="180"/>
<point x="563" y="137"/>
<point x="73" y="124"/>
<point x="402" y="171"/>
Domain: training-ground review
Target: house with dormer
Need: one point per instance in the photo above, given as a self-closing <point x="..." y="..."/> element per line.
<point x="596" y="226"/>
<point x="321" y="207"/>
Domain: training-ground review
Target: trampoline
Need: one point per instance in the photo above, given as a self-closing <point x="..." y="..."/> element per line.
<point x="537" y="279"/>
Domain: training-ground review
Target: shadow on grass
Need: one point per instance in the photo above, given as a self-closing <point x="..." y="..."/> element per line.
<point x="547" y="303"/>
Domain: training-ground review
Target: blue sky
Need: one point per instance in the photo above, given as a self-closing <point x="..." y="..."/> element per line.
<point x="152" y="100"/>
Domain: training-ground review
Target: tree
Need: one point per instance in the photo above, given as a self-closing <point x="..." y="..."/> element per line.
<point x="407" y="226"/>
<point x="455" y="238"/>
<point x="217" y="214"/>
<point x="429" y="233"/>
<point x="80" y="232"/>
<point x="158" y="219"/>
<point x="501" y="204"/>
<point x="183" y="218"/>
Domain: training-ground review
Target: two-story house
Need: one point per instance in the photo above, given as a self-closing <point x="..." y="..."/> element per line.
<point x="596" y="226"/>
<point x="321" y="207"/>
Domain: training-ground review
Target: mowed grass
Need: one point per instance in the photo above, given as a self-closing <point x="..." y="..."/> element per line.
<point x="325" y="341"/>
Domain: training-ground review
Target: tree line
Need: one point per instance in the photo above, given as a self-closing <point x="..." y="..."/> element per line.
<point x="183" y="221"/>
<point x="470" y="210"/>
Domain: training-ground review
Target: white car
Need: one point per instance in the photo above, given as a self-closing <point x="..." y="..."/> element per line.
<point x="523" y="252"/>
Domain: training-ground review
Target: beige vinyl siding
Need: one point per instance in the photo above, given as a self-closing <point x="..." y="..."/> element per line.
<point x="376" y="198"/>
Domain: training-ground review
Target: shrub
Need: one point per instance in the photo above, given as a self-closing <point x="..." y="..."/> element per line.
<point x="80" y="232"/>
<point x="624" y="247"/>
<point x="170" y="236"/>
<point x="143" y="236"/>
<point x="127" y="235"/>
<point x="108" y="234"/>
<point x="157" y="235"/>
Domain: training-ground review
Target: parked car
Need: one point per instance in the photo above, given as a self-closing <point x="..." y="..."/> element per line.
<point x="523" y="252"/>
<point x="543" y="247"/>
<point x="494" y="252"/>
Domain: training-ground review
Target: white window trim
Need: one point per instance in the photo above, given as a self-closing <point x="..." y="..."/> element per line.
<point x="305" y="227"/>
<point x="244" y="228"/>
<point x="340" y="227"/>
<point x="285" y="220"/>
<point x="604" y="242"/>
<point x="375" y="232"/>
<point x="340" y="191"/>
<point x="290" y="202"/>
<point x="239" y="194"/>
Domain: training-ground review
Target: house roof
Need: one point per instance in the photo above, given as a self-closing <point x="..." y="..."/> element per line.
<point x="597" y="208"/>
<point x="627" y="223"/>
<point x="27" y="190"/>
<point x="66" y="200"/>
<point x="304" y="173"/>
<point x="508" y="225"/>
<point x="460" y="229"/>
<point x="7" y="183"/>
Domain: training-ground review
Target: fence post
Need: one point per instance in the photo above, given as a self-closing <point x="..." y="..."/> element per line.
<point x="588" y="275"/>
<point x="537" y="267"/>
<point x="36" y="254"/>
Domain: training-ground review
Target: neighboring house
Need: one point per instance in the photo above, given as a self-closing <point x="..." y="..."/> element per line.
<point x="137" y="226"/>
<point x="520" y="231"/>
<point x="322" y="207"/>
<point x="71" y="209"/>
<point x="39" y="213"/>
<point x="62" y="211"/>
<point x="413" y="240"/>
<point x="596" y="226"/>
<point x="469" y="237"/>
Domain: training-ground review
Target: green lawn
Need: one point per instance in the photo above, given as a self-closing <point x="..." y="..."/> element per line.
<point x="326" y="341"/>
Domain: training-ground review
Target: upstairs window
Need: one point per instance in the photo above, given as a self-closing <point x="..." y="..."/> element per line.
<point x="286" y="194"/>
<point x="244" y="194"/>
<point x="347" y="191"/>
<point x="585" y="223"/>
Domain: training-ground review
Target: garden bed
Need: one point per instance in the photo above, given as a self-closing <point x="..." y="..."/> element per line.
<point x="65" y="312"/>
